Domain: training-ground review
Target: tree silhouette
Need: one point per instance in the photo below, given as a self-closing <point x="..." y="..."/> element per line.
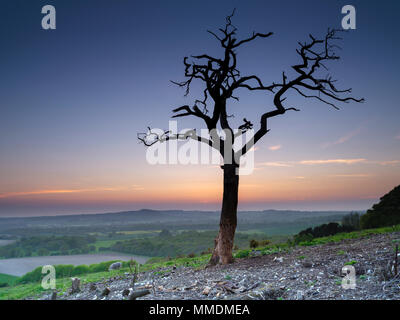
<point x="222" y="80"/>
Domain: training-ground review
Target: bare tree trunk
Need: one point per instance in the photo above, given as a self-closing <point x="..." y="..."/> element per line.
<point x="227" y="226"/>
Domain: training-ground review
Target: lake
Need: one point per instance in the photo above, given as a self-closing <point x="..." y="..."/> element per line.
<point x="20" y="266"/>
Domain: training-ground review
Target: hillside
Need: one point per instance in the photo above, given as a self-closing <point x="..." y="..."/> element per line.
<point x="302" y="273"/>
<point x="384" y="213"/>
<point x="146" y="219"/>
<point x="311" y="270"/>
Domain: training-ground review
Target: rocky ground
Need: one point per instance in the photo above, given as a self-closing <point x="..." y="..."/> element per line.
<point x="303" y="273"/>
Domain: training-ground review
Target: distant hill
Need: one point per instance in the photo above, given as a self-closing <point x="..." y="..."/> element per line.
<point x="385" y="213"/>
<point x="147" y="219"/>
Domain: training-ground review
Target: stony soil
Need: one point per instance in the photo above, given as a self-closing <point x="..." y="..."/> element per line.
<point x="304" y="273"/>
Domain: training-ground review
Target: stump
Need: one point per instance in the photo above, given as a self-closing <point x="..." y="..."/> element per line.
<point x="76" y="283"/>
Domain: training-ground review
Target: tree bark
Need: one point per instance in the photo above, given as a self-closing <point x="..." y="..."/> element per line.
<point x="222" y="253"/>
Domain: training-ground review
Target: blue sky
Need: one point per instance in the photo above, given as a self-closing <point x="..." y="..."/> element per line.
<point x="74" y="98"/>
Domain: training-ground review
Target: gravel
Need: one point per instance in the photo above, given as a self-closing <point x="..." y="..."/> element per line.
<point x="309" y="273"/>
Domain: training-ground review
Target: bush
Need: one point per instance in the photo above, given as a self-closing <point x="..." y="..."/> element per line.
<point x="385" y="213"/>
<point x="68" y="270"/>
<point x="81" y="269"/>
<point x="352" y="220"/>
<point x="254" y="244"/>
<point x="242" y="254"/>
<point x="63" y="270"/>
<point x="264" y="242"/>
<point x="324" y="230"/>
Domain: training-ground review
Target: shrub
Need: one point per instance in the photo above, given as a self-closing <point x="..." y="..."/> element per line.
<point x="81" y="269"/>
<point x="254" y="243"/>
<point x="385" y="213"/>
<point x="352" y="220"/>
<point x="242" y="254"/>
<point x="323" y="230"/>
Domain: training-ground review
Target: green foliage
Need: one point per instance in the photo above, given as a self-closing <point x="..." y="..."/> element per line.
<point x="350" y="235"/>
<point x="384" y="213"/>
<point x="352" y="221"/>
<point x="7" y="280"/>
<point x="68" y="270"/>
<point x="47" y="245"/>
<point x="242" y="254"/>
<point x="350" y="263"/>
<point x="81" y="269"/>
<point x="253" y="243"/>
<point x="180" y="244"/>
<point x="21" y="290"/>
<point x="165" y="233"/>
<point x="323" y="230"/>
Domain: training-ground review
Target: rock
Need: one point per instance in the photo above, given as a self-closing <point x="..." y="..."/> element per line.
<point x="271" y="294"/>
<point x="360" y="270"/>
<point x="75" y="287"/>
<point x="306" y="264"/>
<point x="53" y="295"/>
<point x="92" y="287"/>
<point x="106" y="292"/>
<point x="255" y="253"/>
<point x="206" y="291"/>
<point x="115" y="266"/>
<point x="136" y="294"/>
<point x="280" y="259"/>
<point x="126" y="292"/>
<point x="300" y="295"/>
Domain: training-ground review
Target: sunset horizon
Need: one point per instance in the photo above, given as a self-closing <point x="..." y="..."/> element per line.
<point x="72" y="108"/>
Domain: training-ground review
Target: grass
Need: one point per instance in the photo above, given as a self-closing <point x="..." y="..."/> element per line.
<point x="350" y="235"/>
<point x="350" y="263"/>
<point x="7" y="280"/>
<point x="160" y="265"/>
<point x="34" y="289"/>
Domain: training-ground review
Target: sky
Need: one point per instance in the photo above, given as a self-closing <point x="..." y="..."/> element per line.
<point x="72" y="101"/>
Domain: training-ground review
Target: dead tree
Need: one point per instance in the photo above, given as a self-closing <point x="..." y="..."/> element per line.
<point x="222" y="80"/>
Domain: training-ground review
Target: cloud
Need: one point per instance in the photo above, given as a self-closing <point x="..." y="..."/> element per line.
<point x="38" y="192"/>
<point x="330" y="161"/>
<point x="62" y="191"/>
<point x="389" y="162"/>
<point x="276" y="164"/>
<point x="355" y="175"/>
<point x="274" y="148"/>
<point x="344" y="138"/>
